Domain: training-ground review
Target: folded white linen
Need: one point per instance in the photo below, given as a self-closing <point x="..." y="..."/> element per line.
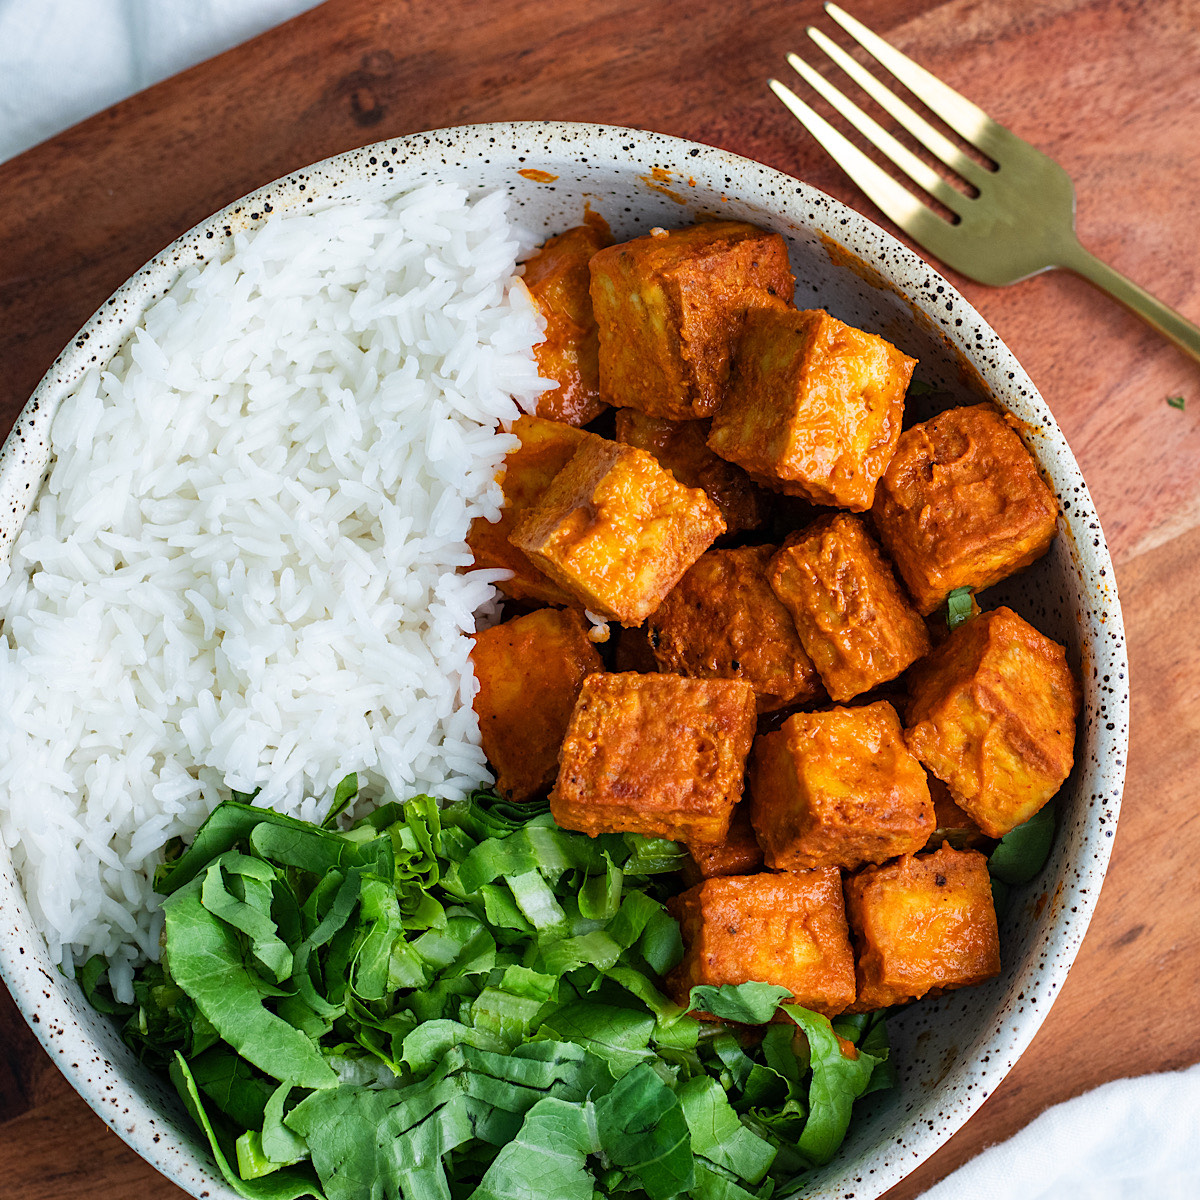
<point x="1132" y="1139"/>
<point x="62" y="60"/>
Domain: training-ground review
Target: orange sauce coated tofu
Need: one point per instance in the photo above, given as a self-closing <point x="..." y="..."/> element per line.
<point x="738" y="854"/>
<point x="853" y="620"/>
<point x="546" y="447"/>
<point x="722" y="620"/>
<point x="992" y="715"/>
<point x="962" y="505"/>
<point x="654" y="754"/>
<point x="558" y="278"/>
<point x="922" y="924"/>
<point x="813" y="406"/>
<point x="680" y="446"/>
<point x="789" y="930"/>
<point x="530" y="670"/>
<point x="838" y="788"/>
<point x="670" y="309"/>
<point x="616" y="531"/>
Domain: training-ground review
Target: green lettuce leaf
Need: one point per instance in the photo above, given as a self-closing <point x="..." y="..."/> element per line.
<point x="289" y="1184"/>
<point x="343" y="796"/>
<point x="1022" y="852"/>
<point x="748" y="1003"/>
<point x="642" y="1129"/>
<point x="717" y="1133"/>
<point x="838" y="1079"/>
<point x="205" y="960"/>
<point x="547" y="1158"/>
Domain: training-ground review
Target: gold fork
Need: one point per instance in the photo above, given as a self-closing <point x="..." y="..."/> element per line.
<point x="1022" y="220"/>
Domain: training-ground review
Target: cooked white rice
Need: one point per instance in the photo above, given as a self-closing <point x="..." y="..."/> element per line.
<point x="244" y="570"/>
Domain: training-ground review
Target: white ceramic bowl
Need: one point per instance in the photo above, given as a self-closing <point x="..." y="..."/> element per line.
<point x="951" y="1052"/>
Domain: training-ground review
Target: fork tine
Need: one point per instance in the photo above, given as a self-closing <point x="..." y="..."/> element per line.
<point x="923" y="176"/>
<point x="918" y="220"/>
<point x="966" y="119"/>
<point x="933" y="141"/>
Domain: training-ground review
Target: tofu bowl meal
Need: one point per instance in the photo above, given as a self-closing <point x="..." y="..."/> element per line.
<point x="544" y="659"/>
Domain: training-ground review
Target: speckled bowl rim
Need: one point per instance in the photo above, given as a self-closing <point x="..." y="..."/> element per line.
<point x="54" y="1006"/>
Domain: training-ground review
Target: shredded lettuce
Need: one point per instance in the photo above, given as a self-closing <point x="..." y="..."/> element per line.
<point x="467" y="1004"/>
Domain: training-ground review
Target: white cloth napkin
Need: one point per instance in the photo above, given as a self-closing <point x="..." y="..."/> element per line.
<point x="1133" y="1139"/>
<point x="62" y="60"/>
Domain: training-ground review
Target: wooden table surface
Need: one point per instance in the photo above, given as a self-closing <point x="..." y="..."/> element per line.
<point x="1108" y="87"/>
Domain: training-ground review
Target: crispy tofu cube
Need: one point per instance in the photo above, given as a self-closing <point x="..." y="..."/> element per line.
<point x="962" y="505"/>
<point x="670" y="308"/>
<point x="530" y="671"/>
<point x="952" y="823"/>
<point x="789" y="930"/>
<point x="616" y="531"/>
<point x="852" y="618"/>
<point x="813" y="406"/>
<point x="838" y="789"/>
<point x="993" y="716"/>
<point x="546" y="447"/>
<point x="738" y="854"/>
<point x="680" y="446"/>
<point x="558" y="278"/>
<point x="655" y="754"/>
<point x="922" y="924"/>
<point x="722" y="621"/>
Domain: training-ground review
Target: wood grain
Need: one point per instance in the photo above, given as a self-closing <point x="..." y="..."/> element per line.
<point x="1108" y="87"/>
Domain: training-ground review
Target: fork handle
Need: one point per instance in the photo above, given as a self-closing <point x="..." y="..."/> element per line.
<point x="1155" y="313"/>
